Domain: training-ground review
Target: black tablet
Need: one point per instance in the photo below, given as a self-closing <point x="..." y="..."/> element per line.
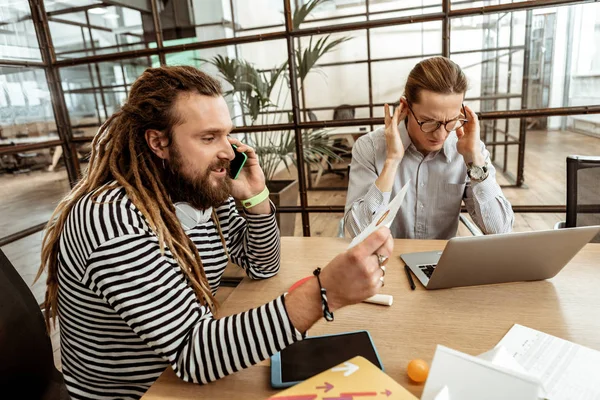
<point x="316" y="354"/>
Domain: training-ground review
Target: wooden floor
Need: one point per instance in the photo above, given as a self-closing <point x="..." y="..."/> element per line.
<point x="29" y="199"/>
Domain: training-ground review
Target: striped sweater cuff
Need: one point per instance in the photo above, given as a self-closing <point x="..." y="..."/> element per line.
<point x="294" y="334"/>
<point x="261" y="217"/>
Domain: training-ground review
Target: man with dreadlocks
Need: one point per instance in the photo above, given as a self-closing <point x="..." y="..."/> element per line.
<point x="135" y="252"/>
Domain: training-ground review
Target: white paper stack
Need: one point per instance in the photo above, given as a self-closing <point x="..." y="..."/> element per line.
<point x="526" y="364"/>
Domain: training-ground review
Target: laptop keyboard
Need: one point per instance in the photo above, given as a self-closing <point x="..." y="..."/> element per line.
<point x="427" y="269"/>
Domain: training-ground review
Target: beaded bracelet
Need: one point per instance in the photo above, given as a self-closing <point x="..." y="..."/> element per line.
<point x="328" y="315"/>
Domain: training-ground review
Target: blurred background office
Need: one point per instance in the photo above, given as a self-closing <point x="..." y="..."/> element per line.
<point x="304" y="79"/>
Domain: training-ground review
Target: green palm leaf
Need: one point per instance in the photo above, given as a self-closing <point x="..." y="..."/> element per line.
<point x="302" y="12"/>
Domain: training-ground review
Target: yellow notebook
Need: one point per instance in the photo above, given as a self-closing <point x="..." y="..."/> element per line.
<point x="355" y="379"/>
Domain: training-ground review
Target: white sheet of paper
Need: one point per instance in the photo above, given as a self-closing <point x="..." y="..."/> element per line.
<point x="472" y="378"/>
<point x="443" y="394"/>
<point x="501" y="357"/>
<point x="566" y="370"/>
<point x="383" y="218"/>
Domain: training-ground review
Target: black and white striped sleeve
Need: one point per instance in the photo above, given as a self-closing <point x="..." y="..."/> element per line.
<point x="254" y="243"/>
<point x="151" y="295"/>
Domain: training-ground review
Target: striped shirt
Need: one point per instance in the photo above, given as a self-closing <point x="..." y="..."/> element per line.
<point x="438" y="185"/>
<point x="126" y="311"/>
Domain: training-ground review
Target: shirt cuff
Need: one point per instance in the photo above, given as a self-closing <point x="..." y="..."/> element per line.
<point x="486" y="191"/>
<point x="375" y="199"/>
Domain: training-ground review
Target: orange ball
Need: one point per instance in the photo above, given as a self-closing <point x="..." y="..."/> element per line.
<point x="418" y="370"/>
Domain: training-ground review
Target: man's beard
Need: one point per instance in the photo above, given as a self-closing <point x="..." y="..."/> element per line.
<point x="199" y="192"/>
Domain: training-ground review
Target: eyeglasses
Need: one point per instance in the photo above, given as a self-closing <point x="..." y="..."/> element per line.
<point x="432" y="126"/>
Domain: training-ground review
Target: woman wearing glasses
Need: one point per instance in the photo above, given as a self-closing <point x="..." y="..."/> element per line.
<point x="433" y="141"/>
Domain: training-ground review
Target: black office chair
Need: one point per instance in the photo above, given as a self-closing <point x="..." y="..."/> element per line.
<point x="344" y="111"/>
<point x="27" y="368"/>
<point x="341" y="112"/>
<point x="583" y="192"/>
<point x="311" y="115"/>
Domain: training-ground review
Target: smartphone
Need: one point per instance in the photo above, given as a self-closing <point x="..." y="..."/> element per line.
<point x="316" y="354"/>
<point x="237" y="163"/>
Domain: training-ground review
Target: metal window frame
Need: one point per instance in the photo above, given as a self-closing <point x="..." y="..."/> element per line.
<point x="51" y="66"/>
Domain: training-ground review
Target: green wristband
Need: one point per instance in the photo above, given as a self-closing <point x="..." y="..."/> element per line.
<point x="259" y="198"/>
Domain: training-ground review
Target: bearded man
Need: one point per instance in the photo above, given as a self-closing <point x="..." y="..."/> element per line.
<point x="135" y="253"/>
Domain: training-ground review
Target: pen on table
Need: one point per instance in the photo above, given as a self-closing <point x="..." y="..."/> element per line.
<point x="409" y="276"/>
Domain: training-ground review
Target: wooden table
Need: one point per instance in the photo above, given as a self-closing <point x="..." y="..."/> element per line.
<point x="471" y="319"/>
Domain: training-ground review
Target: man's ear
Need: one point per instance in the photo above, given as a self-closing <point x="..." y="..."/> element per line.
<point x="158" y="143"/>
<point x="403" y="101"/>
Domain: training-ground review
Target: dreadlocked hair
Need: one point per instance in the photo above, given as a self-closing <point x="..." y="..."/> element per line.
<point x="120" y="153"/>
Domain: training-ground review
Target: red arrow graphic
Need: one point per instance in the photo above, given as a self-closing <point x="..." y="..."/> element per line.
<point x="387" y="393"/>
<point x="328" y="386"/>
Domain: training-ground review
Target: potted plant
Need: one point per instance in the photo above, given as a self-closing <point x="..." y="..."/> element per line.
<point x="254" y="90"/>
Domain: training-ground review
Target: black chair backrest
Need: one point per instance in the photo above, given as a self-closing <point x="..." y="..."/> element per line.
<point x="26" y="357"/>
<point x="344" y="111"/>
<point x="583" y="192"/>
<point x="311" y="115"/>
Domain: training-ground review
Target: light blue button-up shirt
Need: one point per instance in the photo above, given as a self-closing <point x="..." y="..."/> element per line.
<point x="438" y="185"/>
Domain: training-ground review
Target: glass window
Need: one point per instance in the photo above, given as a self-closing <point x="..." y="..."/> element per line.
<point x="562" y="66"/>
<point x="93" y="92"/>
<point x="389" y="78"/>
<point x="347" y="46"/>
<point x="337" y="85"/>
<point x="397" y="9"/>
<point x="18" y="40"/>
<point x="54" y="5"/>
<point x="328" y="13"/>
<point x="495" y="79"/>
<point x="100" y="30"/>
<point x="204" y="20"/>
<point x="261" y="94"/>
<point x="253" y="16"/>
<point x="584" y="85"/>
<point x="461" y="4"/>
<point x="407" y="40"/>
<point x="26" y="113"/>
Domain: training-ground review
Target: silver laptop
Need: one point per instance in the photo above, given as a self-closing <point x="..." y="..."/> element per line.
<point x="510" y="257"/>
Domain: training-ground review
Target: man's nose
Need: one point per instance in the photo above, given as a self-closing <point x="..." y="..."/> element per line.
<point x="439" y="133"/>
<point x="226" y="152"/>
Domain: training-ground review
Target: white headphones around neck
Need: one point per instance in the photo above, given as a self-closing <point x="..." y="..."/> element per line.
<point x="189" y="217"/>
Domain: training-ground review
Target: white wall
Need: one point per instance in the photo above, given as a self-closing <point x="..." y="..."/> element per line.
<point x="559" y="72"/>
